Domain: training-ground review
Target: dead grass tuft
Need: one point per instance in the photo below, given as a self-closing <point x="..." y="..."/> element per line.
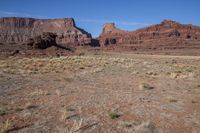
<point x="4" y="127"/>
<point x="145" y="86"/>
<point x="145" y="127"/>
<point x="76" y="127"/>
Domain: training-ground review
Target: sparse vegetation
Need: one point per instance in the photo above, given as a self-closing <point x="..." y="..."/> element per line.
<point x="173" y="100"/>
<point x="193" y="101"/>
<point x="76" y="126"/>
<point x="82" y="67"/>
<point x="19" y="109"/>
<point x="189" y="70"/>
<point x="145" y="127"/>
<point x="30" y="106"/>
<point x="108" y="87"/>
<point x="67" y="79"/>
<point x="128" y="124"/>
<point x="65" y="115"/>
<point x="38" y="92"/>
<point x="145" y="86"/>
<point x="178" y="71"/>
<point x="151" y="73"/>
<point x="58" y="93"/>
<point x="2" y="112"/>
<point x="70" y="109"/>
<point x="4" y="127"/>
<point x="113" y="115"/>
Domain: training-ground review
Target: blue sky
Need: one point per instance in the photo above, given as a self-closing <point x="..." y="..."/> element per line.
<point x="93" y="14"/>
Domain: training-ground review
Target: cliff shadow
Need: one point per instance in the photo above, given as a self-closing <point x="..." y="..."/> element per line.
<point x="95" y="43"/>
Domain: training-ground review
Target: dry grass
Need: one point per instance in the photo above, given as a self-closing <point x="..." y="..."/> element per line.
<point x="145" y="127"/>
<point x="76" y="127"/>
<point x="4" y="127"/>
<point x="173" y="100"/>
<point x="39" y="92"/>
<point x="58" y="93"/>
<point x="58" y="65"/>
<point x="96" y="85"/>
<point x="64" y="115"/>
<point x="145" y="86"/>
<point x="30" y="106"/>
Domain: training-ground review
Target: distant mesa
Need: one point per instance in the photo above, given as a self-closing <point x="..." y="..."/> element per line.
<point x="166" y="35"/>
<point x="19" y="30"/>
<point x="64" y="33"/>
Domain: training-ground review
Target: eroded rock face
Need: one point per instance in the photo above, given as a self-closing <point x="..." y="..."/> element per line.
<point x="43" y="41"/>
<point x="110" y="28"/>
<point x="110" y="35"/>
<point x="167" y="34"/>
<point x="19" y="30"/>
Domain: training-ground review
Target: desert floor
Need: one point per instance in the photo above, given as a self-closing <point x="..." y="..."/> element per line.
<point x="100" y="93"/>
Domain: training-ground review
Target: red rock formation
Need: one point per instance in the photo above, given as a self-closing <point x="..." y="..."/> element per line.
<point x="168" y="34"/>
<point x="19" y="30"/>
<point x="110" y="28"/>
<point x="110" y="35"/>
<point x="43" y="41"/>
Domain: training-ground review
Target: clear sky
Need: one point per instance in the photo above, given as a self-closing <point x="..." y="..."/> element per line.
<point x="93" y="14"/>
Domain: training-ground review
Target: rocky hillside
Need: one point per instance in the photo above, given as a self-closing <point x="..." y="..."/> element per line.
<point x="166" y="35"/>
<point x="59" y="36"/>
<point x="19" y="30"/>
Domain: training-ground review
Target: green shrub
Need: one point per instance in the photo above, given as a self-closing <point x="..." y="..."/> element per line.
<point x="114" y="115"/>
<point x="2" y="112"/>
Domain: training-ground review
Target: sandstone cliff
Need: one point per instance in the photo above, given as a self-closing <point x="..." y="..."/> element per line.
<point x="19" y="30"/>
<point x="167" y="34"/>
<point x="110" y="28"/>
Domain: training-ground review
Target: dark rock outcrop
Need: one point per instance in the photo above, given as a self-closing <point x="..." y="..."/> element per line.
<point x="43" y="41"/>
<point x="19" y="30"/>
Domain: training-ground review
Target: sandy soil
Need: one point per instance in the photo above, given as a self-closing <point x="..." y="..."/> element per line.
<point x="100" y="93"/>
